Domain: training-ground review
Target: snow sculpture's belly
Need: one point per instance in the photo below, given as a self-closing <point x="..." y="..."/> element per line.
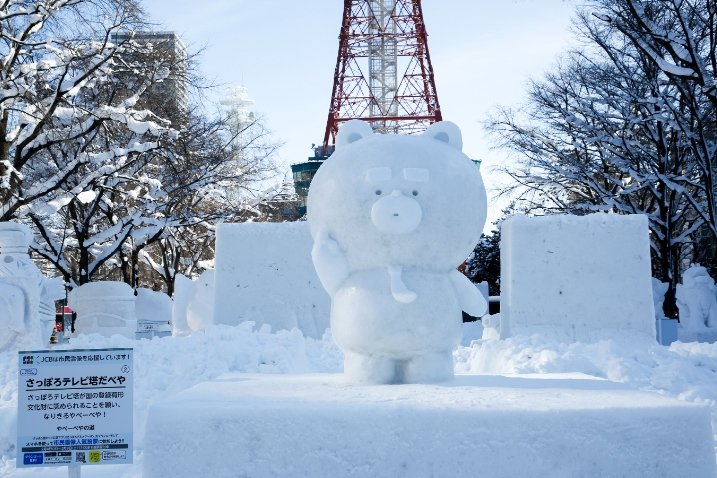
<point x="367" y="318"/>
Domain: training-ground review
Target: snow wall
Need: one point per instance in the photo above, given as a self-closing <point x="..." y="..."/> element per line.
<point x="577" y="278"/>
<point x="264" y="274"/>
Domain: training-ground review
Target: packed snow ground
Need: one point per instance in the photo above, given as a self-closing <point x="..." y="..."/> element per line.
<point x="686" y="371"/>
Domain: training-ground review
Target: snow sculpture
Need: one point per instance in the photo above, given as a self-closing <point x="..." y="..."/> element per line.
<point x="392" y="217"/>
<point x="697" y="300"/>
<point x="106" y="308"/>
<point x="153" y="311"/>
<point x="27" y="309"/>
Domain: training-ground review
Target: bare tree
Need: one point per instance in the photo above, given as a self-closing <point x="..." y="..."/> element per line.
<point x="607" y="132"/>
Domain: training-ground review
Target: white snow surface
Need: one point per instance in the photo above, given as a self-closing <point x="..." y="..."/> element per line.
<point x="164" y="366"/>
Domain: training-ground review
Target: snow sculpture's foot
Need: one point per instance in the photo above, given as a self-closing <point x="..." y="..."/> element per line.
<point x="399" y="290"/>
<point x="377" y="370"/>
<point x="369" y="369"/>
<point x="430" y="367"/>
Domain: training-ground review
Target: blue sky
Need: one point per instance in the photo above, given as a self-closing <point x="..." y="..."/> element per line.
<point x="284" y="52"/>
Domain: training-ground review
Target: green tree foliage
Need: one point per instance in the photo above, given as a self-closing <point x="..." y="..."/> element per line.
<point x="483" y="265"/>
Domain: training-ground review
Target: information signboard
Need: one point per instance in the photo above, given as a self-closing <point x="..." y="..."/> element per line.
<point x="74" y="407"/>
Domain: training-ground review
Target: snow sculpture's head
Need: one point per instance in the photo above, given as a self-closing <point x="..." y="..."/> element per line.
<point x="400" y="200"/>
<point x="15" y="240"/>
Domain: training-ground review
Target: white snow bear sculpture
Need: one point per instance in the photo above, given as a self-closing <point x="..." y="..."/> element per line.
<point x="392" y="217"/>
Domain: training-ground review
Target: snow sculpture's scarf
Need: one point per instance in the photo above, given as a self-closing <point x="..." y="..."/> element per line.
<point x="399" y="291"/>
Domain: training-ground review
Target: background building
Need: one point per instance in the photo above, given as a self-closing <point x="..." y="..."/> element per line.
<point x="167" y="97"/>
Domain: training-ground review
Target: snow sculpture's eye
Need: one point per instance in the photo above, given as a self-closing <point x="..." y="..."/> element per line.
<point x="414" y="192"/>
<point x="378" y="192"/>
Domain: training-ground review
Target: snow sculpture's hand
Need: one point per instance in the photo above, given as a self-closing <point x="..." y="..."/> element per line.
<point x="400" y="292"/>
<point x="470" y="298"/>
<point x="329" y="261"/>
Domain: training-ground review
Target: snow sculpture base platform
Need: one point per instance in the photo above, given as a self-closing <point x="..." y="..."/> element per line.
<point x="315" y="425"/>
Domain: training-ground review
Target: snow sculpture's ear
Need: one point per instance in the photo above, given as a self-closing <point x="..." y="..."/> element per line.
<point x="352" y="131"/>
<point x="447" y="132"/>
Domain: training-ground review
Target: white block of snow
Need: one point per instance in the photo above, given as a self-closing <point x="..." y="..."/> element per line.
<point x="200" y="309"/>
<point x="104" y="307"/>
<point x="153" y="305"/>
<point x="183" y="290"/>
<point x="577" y="278"/>
<point x="264" y="274"/>
<point x="489" y="426"/>
<point x="153" y="310"/>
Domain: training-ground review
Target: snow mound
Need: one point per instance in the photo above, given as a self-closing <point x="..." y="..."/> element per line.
<point x="170" y="364"/>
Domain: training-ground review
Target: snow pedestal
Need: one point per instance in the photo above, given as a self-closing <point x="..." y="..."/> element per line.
<point x="576" y="278"/>
<point x="264" y="274"/>
<point x="316" y="425"/>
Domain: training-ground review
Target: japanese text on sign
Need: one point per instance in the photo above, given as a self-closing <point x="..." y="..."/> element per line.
<point x="75" y="407"/>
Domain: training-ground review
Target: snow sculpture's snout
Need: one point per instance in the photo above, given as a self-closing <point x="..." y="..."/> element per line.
<point x="396" y="213"/>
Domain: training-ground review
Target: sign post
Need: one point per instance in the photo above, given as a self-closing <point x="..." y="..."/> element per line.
<point x="74" y="408"/>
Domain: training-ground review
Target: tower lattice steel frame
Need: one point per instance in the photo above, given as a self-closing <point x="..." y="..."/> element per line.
<point x="383" y="38"/>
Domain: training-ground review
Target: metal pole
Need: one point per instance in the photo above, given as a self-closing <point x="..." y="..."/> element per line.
<point x="74" y="471"/>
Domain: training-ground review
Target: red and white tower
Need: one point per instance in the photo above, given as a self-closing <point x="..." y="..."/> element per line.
<point x="383" y="76"/>
<point x="383" y="69"/>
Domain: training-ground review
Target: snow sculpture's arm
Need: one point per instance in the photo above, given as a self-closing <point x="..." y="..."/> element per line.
<point x="330" y="263"/>
<point x="470" y="298"/>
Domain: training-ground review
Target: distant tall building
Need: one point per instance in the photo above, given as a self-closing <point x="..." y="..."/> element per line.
<point x="167" y="98"/>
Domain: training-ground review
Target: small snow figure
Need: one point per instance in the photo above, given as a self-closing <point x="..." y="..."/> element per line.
<point x="392" y="217"/>
<point x="697" y="299"/>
